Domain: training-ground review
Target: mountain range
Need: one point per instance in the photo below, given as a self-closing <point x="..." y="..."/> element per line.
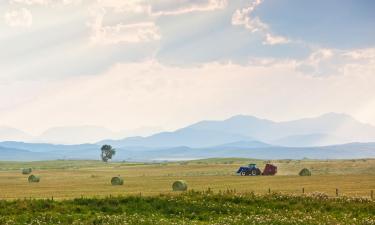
<point x="327" y="129"/>
<point x="328" y="136"/>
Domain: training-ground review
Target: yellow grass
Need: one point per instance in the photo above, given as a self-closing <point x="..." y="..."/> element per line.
<point x="69" y="179"/>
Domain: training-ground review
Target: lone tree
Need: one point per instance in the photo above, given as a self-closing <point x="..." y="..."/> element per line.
<point x="107" y="152"/>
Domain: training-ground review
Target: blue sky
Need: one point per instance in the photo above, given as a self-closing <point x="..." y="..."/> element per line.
<point x="151" y="62"/>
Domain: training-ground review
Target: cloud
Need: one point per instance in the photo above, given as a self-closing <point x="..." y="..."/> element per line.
<point x="210" y="5"/>
<point x="45" y="2"/>
<point x="126" y="33"/>
<point x="325" y="62"/>
<point x="149" y="93"/>
<point x="275" y="40"/>
<point x="121" y="6"/>
<point x="243" y="17"/>
<point x="31" y="2"/>
<point x="143" y="28"/>
<point x="19" y="18"/>
<point x="122" y="33"/>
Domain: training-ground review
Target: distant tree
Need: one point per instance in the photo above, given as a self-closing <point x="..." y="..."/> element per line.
<point x="107" y="152"/>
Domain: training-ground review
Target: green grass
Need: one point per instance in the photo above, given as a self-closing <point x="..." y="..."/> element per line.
<point x="191" y="208"/>
<point x="81" y="193"/>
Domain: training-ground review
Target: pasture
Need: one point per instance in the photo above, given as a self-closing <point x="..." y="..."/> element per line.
<point x="74" y="179"/>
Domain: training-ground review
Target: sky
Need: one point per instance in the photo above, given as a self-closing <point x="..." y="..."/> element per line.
<point x="128" y="64"/>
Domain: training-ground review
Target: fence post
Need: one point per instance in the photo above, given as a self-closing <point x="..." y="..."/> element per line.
<point x="269" y="190"/>
<point x="337" y="192"/>
<point x="303" y="190"/>
<point x="372" y="194"/>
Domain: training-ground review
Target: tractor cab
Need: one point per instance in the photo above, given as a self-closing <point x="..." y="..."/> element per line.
<point x="252" y="165"/>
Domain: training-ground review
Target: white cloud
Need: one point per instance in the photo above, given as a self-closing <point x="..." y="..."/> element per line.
<point x="19" y="18"/>
<point x="243" y="17"/>
<point x="275" y="40"/>
<point x="330" y="62"/>
<point x="31" y="2"/>
<point x="210" y="5"/>
<point x="123" y="33"/>
<point x="127" y="33"/>
<point x="121" y="6"/>
<point x="148" y="93"/>
<point x="46" y="2"/>
<point x="144" y="29"/>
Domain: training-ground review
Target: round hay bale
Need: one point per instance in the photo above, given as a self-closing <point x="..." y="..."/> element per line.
<point x="305" y="172"/>
<point x="179" y="185"/>
<point x="33" y="179"/>
<point x="117" y="181"/>
<point x="26" y="171"/>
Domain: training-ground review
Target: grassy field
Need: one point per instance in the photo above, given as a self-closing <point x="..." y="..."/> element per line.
<point x="72" y="179"/>
<point x="191" y="208"/>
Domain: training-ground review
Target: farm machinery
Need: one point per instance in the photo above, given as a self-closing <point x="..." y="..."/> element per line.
<point x="253" y="170"/>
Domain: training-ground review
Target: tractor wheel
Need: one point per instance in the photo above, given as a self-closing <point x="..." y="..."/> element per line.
<point x="253" y="173"/>
<point x="243" y="173"/>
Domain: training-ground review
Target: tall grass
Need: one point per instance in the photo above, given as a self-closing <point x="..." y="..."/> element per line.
<point x="191" y="208"/>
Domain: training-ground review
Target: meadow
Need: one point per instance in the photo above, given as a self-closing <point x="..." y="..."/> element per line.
<point x="71" y="179"/>
<point x="80" y="193"/>
<point x="191" y="208"/>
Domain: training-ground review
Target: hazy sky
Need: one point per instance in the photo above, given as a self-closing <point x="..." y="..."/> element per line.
<point x="124" y="64"/>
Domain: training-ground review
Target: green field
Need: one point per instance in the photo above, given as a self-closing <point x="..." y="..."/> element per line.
<point x="80" y="192"/>
<point x="71" y="179"/>
<point x="191" y="208"/>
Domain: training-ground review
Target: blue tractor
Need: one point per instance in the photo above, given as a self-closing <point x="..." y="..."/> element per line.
<point x="250" y="170"/>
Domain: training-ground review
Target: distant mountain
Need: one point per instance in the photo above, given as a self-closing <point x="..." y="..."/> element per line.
<point x="11" y="154"/>
<point x="42" y="147"/>
<point x="350" y="151"/>
<point x="243" y="145"/>
<point x="321" y="137"/>
<point x="308" y="140"/>
<point x="336" y="128"/>
<point x="327" y="129"/>
<point x="12" y="134"/>
<point x="236" y="149"/>
<point x="194" y="138"/>
<point x="339" y="126"/>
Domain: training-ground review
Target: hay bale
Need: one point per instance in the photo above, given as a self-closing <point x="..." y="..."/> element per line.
<point x="179" y="185"/>
<point x="26" y="171"/>
<point x="305" y="172"/>
<point x="117" y="181"/>
<point x="33" y="179"/>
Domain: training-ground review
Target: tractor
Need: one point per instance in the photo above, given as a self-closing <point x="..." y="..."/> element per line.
<point x="252" y="170"/>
